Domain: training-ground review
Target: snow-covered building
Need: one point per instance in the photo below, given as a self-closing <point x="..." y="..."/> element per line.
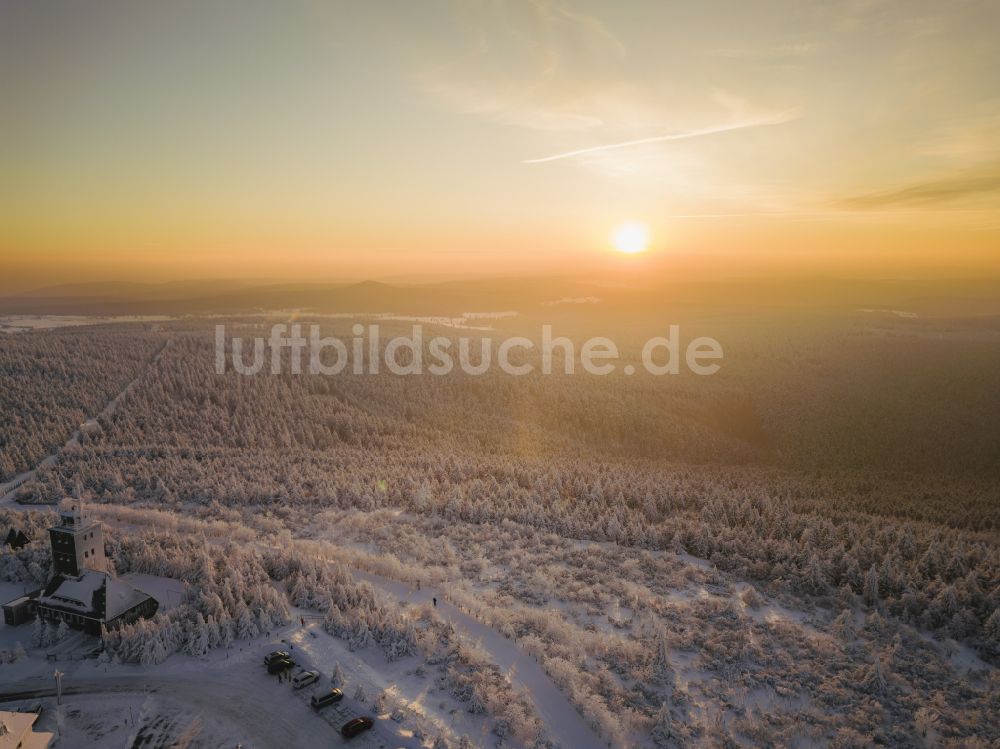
<point x="82" y="592"/>
<point x="21" y="609"/>
<point x="76" y="544"/>
<point x="16" y="733"/>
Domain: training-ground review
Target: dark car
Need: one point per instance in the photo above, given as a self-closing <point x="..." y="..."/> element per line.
<point x="280" y="664"/>
<point x="355" y="726"/>
<point x="277" y="655"/>
<point x="322" y="699"/>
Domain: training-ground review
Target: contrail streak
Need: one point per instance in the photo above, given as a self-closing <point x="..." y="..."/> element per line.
<point x="662" y="138"/>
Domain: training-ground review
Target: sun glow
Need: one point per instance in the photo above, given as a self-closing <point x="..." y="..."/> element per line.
<point x="631" y="237"/>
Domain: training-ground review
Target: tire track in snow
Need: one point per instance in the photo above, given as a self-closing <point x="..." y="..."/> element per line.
<point x="562" y="721"/>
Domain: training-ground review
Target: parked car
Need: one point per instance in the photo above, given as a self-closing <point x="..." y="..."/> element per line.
<point x="355" y="726"/>
<point x="275" y="656"/>
<point x="305" y="678"/>
<point x="322" y="699"/>
<point x="280" y="664"/>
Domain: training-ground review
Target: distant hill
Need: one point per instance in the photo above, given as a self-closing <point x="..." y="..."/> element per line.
<point x="448" y="298"/>
<point x="137" y="290"/>
<point x="549" y="296"/>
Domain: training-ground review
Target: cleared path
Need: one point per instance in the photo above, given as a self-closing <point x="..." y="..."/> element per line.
<point x="565" y="725"/>
<point x="8" y="489"/>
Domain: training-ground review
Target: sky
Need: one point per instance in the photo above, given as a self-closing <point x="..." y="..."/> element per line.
<point x="322" y="140"/>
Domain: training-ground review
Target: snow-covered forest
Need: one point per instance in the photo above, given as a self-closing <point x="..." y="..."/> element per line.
<point x="756" y="560"/>
<point x="52" y="382"/>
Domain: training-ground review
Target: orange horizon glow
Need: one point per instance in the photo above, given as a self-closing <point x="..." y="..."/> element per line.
<point x="178" y="142"/>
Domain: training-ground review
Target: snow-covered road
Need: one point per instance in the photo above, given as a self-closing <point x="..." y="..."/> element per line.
<point x="267" y="717"/>
<point x="565" y="725"/>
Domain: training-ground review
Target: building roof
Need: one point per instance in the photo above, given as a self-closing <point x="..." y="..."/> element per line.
<point x="15" y="731"/>
<point x="75" y="592"/>
<point x="80" y="595"/>
<point x="121" y="597"/>
<point x="67" y="525"/>
<point x="30" y="596"/>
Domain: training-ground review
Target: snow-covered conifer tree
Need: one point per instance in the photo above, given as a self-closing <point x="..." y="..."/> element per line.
<point x="871" y="586"/>
<point x="337" y="676"/>
<point x="360" y="695"/>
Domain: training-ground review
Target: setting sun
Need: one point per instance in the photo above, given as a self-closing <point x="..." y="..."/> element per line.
<point x="631" y="237"/>
<point x="313" y="313"/>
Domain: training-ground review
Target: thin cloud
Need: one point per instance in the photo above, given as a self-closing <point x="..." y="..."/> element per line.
<point x="972" y="183"/>
<point x="788" y="117"/>
<point x="536" y="64"/>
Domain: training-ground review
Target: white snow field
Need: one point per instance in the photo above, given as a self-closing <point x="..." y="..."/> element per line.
<point x="564" y="723"/>
<point x="222" y="700"/>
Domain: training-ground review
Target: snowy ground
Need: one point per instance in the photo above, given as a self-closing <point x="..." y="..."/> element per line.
<point x="417" y="696"/>
<point x="562" y="720"/>
<point x="437" y="711"/>
<point x="692" y="592"/>
<point x="227" y="698"/>
<point x="222" y="700"/>
<point x="203" y="697"/>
